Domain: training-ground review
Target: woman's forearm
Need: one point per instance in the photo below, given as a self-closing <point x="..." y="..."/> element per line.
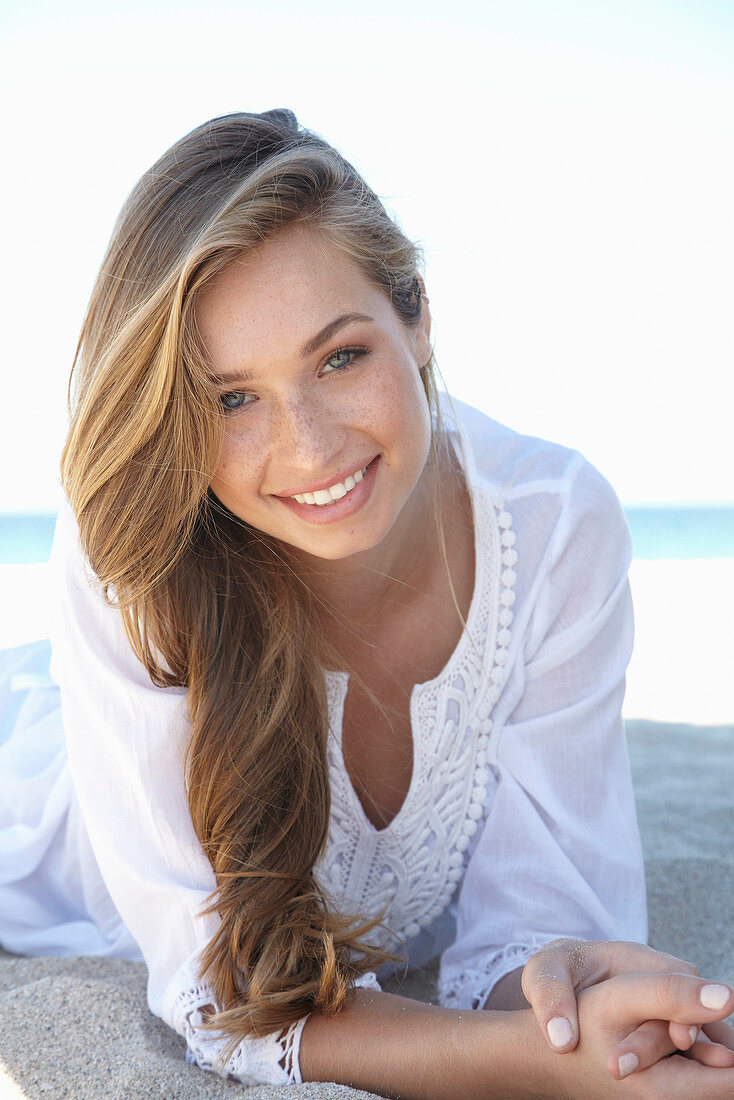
<point x="397" y="1047"/>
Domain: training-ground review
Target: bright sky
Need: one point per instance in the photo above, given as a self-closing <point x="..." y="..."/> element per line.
<point x="568" y="168"/>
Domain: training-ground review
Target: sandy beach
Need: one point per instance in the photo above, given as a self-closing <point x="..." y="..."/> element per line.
<point x="80" y="1028"/>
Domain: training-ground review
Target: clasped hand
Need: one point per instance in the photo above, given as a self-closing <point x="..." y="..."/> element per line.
<point x="630" y="1007"/>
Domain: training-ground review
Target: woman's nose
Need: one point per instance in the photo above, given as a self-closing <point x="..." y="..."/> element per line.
<point x="308" y="435"/>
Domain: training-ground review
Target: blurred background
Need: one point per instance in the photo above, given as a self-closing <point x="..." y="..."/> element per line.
<point x="568" y="168"/>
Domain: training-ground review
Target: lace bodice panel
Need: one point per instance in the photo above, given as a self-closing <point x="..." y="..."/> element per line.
<point x="414" y="865"/>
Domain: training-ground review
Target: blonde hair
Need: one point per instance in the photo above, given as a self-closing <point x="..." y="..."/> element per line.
<point x="208" y="602"/>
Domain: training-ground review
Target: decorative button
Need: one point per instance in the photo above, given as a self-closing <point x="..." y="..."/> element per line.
<point x="509" y="576"/>
<point x="469" y="827"/>
<point x="474" y="811"/>
<point x="484" y="708"/>
<point x="455" y="859"/>
<point x="504" y="637"/>
<point x="509" y="556"/>
<point x="479" y="794"/>
<point x="481" y="777"/>
<point x="413" y="929"/>
<point x="486" y="725"/>
<point x="504" y="519"/>
<point x="388" y="878"/>
<point x="482" y="741"/>
<point x="501" y="657"/>
<point x="506" y="616"/>
<point x="481" y="758"/>
<point x="462" y="843"/>
<point x="507" y="598"/>
<point x="455" y="874"/>
<point x="498" y="675"/>
<point x="508" y="538"/>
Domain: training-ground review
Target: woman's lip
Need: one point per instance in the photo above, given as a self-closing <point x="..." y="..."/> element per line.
<point x="325" y="483"/>
<point x="338" y="509"/>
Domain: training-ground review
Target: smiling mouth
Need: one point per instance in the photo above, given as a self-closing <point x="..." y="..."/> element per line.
<point x="323" y="497"/>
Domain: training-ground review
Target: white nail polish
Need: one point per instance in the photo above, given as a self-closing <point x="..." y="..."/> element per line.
<point x="559" y="1031"/>
<point x="714" y="996"/>
<point x="628" y="1063"/>
<point x="693" y="1032"/>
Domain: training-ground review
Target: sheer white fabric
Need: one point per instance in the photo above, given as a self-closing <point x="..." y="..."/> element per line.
<point x="519" y="823"/>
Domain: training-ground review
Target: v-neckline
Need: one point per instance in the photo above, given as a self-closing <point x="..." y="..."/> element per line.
<point x="340" y="679"/>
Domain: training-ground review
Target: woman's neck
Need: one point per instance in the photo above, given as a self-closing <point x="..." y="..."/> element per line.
<point x="365" y="595"/>
<point x="363" y="586"/>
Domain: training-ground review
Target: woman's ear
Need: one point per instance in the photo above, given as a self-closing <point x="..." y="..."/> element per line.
<point x="422" y="331"/>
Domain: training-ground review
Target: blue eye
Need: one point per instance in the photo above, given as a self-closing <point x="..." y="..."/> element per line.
<point x="233" y="402"/>
<point x="342" y="359"/>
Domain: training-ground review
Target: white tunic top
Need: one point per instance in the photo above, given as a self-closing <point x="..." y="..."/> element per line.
<point x="519" y="823"/>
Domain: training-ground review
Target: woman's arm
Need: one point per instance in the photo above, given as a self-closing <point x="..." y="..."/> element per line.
<point x="395" y="1047"/>
<point x="559" y="853"/>
<point x="126" y="739"/>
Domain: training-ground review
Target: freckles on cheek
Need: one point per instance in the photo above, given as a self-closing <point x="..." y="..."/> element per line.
<point x="237" y="474"/>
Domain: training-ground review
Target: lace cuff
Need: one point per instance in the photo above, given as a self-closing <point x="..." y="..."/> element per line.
<point x="470" y="986"/>
<point x="267" y="1060"/>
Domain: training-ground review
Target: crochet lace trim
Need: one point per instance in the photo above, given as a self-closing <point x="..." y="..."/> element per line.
<point x="267" y="1060"/>
<point x="270" y="1059"/>
<point x="470" y="988"/>
<point x="414" y="865"/>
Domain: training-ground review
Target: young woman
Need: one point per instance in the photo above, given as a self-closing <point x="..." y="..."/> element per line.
<point x="341" y="666"/>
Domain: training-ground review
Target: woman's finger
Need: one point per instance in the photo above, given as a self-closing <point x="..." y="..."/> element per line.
<point x="548" y="983"/>
<point x="711" y="1054"/>
<point x="633" y="999"/>
<point x="644" y="1047"/>
<point x="651" y="1041"/>
<point x="683" y="1036"/>
<point x="721" y="1032"/>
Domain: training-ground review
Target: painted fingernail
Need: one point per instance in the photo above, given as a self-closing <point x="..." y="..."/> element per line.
<point x="628" y="1063"/>
<point x="559" y="1031"/>
<point x="715" y="996"/>
<point x="693" y="1032"/>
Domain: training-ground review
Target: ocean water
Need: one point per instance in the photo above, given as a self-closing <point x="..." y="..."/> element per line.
<point x="658" y="534"/>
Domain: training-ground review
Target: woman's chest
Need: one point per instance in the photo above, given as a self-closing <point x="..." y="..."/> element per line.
<point x="378" y="727"/>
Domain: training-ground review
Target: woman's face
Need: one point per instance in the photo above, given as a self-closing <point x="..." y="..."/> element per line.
<point x="327" y="426"/>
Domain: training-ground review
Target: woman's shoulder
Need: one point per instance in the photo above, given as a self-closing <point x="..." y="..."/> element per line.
<point x="549" y="489"/>
<point x="505" y="458"/>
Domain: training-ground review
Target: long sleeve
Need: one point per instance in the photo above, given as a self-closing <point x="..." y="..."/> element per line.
<point x="125" y="741"/>
<point x="560" y="852"/>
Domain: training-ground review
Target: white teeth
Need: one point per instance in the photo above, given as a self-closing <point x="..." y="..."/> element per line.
<point x="334" y="492"/>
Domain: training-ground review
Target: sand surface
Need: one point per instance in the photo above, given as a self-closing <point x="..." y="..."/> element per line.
<point x="80" y="1028"/>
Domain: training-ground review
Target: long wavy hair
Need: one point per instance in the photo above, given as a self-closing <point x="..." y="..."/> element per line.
<point x="208" y="602"/>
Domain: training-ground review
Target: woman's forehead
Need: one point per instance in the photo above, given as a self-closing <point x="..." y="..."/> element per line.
<point x="283" y="294"/>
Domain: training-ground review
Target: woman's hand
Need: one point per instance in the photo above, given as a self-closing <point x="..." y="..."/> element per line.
<point x="556" y="973"/>
<point x="621" y="1005"/>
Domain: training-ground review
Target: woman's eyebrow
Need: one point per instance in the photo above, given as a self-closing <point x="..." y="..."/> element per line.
<point x="330" y="330"/>
<point x="312" y="345"/>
